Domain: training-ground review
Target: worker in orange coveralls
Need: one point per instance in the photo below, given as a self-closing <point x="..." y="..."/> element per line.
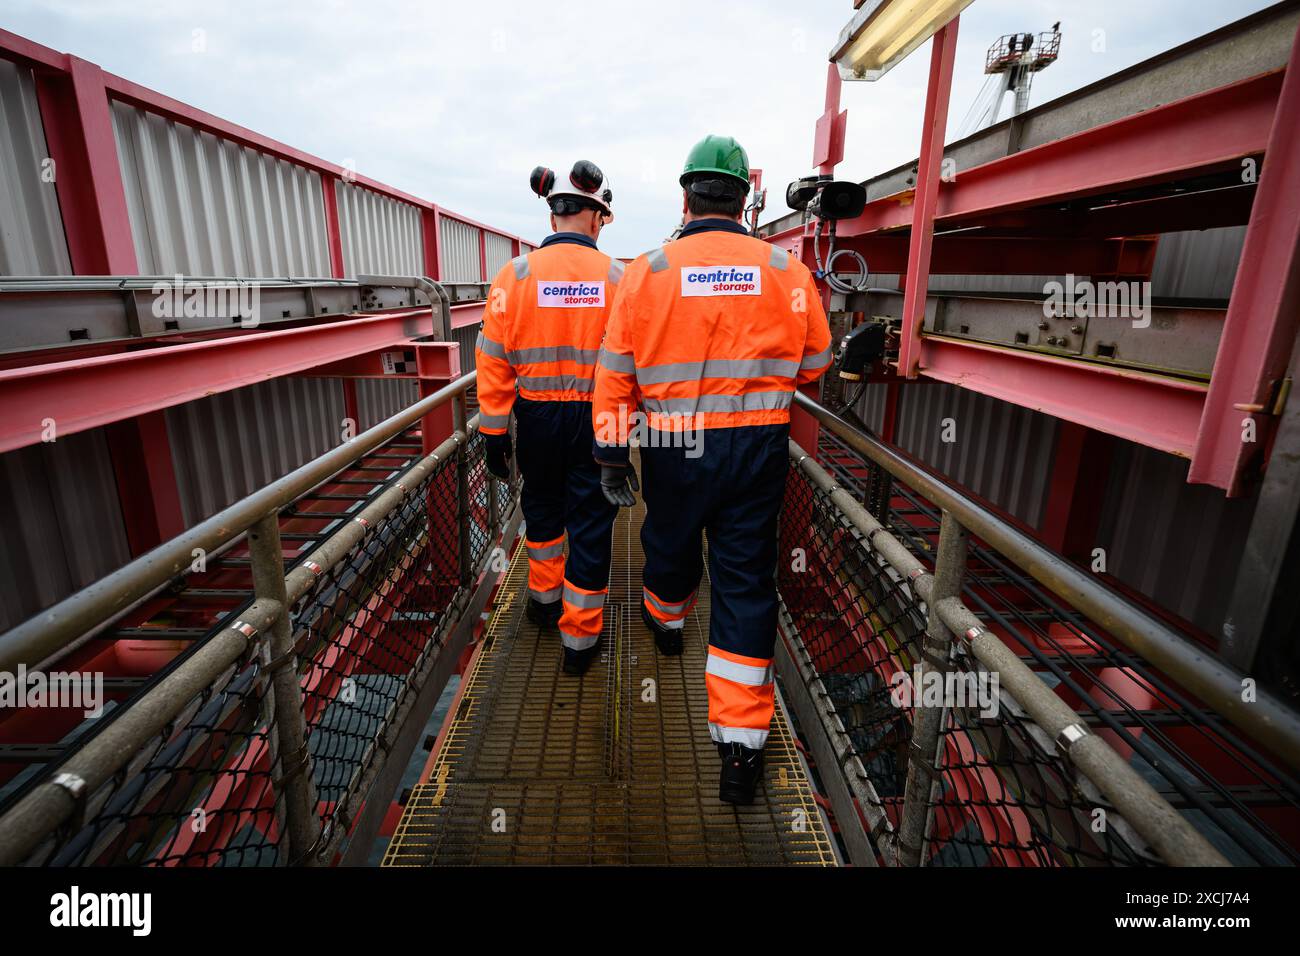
<point x="536" y="355"/>
<point x="710" y="336"/>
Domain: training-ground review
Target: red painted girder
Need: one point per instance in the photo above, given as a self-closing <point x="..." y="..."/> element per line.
<point x="22" y="50"/>
<point x="1259" y="331"/>
<point x="91" y="392"/>
<point x="470" y="313"/>
<point x="1152" y="410"/>
<point x="1209" y="130"/>
<point x="916" y="280"/>
<point x="88" y="178"/>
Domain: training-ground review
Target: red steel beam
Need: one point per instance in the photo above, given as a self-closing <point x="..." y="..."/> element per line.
<point x="1153" y="410"/>
<point x="943" y="52"/>
<point x="44" y="59"/>
<point x="332" y="230"/>
<point x="1259" y="331"/>
<point x="146" y="481"/>
<point x="431" y="232"/>
<point x="96" y="391"/>
<point x="1211" y="130"/>
<point x="87" y="175"/>
<point x="469" y="313"/>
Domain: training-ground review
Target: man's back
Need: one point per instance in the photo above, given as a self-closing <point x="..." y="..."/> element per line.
<point x="721" y="327"/>
<point x="546" y="316"/>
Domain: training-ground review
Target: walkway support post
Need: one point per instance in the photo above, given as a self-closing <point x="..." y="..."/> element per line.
<point x="283" y="702"/>
<point x="925" y="755"/>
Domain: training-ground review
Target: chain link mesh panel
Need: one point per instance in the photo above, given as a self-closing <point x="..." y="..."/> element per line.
<point x="204" y="791"/>
<point x="1004" y="795"/>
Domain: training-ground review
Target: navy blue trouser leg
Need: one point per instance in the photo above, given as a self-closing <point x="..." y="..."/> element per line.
<point x="732" y="493"/>
<point x="561" y="494"/>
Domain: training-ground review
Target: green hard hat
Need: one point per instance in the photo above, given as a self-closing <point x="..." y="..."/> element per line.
<point x="717" y="154"/>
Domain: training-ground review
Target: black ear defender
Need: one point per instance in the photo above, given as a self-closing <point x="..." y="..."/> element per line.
<point x="586" y="175"/>
<point x="542" y="180"/>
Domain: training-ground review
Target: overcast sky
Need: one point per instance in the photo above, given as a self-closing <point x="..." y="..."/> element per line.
<point x="456" y="102"/>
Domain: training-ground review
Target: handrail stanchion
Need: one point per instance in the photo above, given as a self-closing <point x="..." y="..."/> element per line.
<point x="459" y="423"/>
<point x="283" y="705"/>
<point x="925" y="755"/>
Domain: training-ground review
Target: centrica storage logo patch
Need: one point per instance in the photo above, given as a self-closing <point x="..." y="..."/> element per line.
<point x="571" y="294"/>
<point x="721" y="280"/>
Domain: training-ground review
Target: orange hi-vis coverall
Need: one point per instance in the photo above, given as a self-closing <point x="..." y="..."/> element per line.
<point x="536" y="355"/>
<point x="711" y="334"/>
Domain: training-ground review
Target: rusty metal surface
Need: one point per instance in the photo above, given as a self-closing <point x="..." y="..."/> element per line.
<point x="539" y="768"/>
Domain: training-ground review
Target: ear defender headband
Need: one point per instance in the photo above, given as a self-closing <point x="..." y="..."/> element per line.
<point x="585" y="177"/>
<point x="716" y="188"/>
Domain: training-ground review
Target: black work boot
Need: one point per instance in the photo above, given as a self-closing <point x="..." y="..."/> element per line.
<point x="577" y="662"/>
<point x="544" y="615"/>
<point x="742" y="769"/>
<point x="667" y="639"/>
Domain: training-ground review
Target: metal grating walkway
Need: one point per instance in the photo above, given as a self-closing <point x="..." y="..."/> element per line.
<point x="615" y="768"/>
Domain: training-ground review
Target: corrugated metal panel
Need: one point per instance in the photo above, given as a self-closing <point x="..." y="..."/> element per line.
<point x="1197" y="265"/>
<point x="200" y="205"/>
<point x="63" y="524"/>
<point x="1179" y="544"/>
<point x="227" y="446"/>
<point x="500" y="250"/>
<point x="466" y="336"/>
<point x="31" y="230"/>
<point x="460" y="252"/>
<point x="871" y="407"/>
<point x="380" y="398"/>
<point x="381" y="236"/>
<point x="1000" y="451"/>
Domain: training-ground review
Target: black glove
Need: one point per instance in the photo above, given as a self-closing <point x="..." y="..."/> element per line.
<point x="497" y="453"/>
<point x="618" y="482"/>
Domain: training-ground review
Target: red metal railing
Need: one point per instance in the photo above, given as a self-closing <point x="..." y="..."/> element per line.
<point x="75" y="98"/>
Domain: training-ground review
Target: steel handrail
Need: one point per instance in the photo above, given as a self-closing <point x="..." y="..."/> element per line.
<point x="45" y="634"/>
<point x="1265" y="718"/>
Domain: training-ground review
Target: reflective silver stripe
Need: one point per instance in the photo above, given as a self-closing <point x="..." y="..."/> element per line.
<point x="739" y="673"/>
<point x="521" y="266"/>
<point x="578" y="642"/>
<point x="553" y="353"/>
<point x="749" y="737"/>
<point x="753" y="402"/>
<point x="493" y="421"/>
<point x="667" y="608"/>
<point x="489" y="347"/>
<point x="545" y="597"/>
<point x="817" y="361"/>
<point x="556" y="383"/>
<point x="545" y="553"/>
<point x="779" y="259"/>
<point x="616" y="362"/>
<point x="658" y="260"/>
<point x="615" y="271"/>
<point x="715" y="368"/>
<point x="578" y="599"/>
